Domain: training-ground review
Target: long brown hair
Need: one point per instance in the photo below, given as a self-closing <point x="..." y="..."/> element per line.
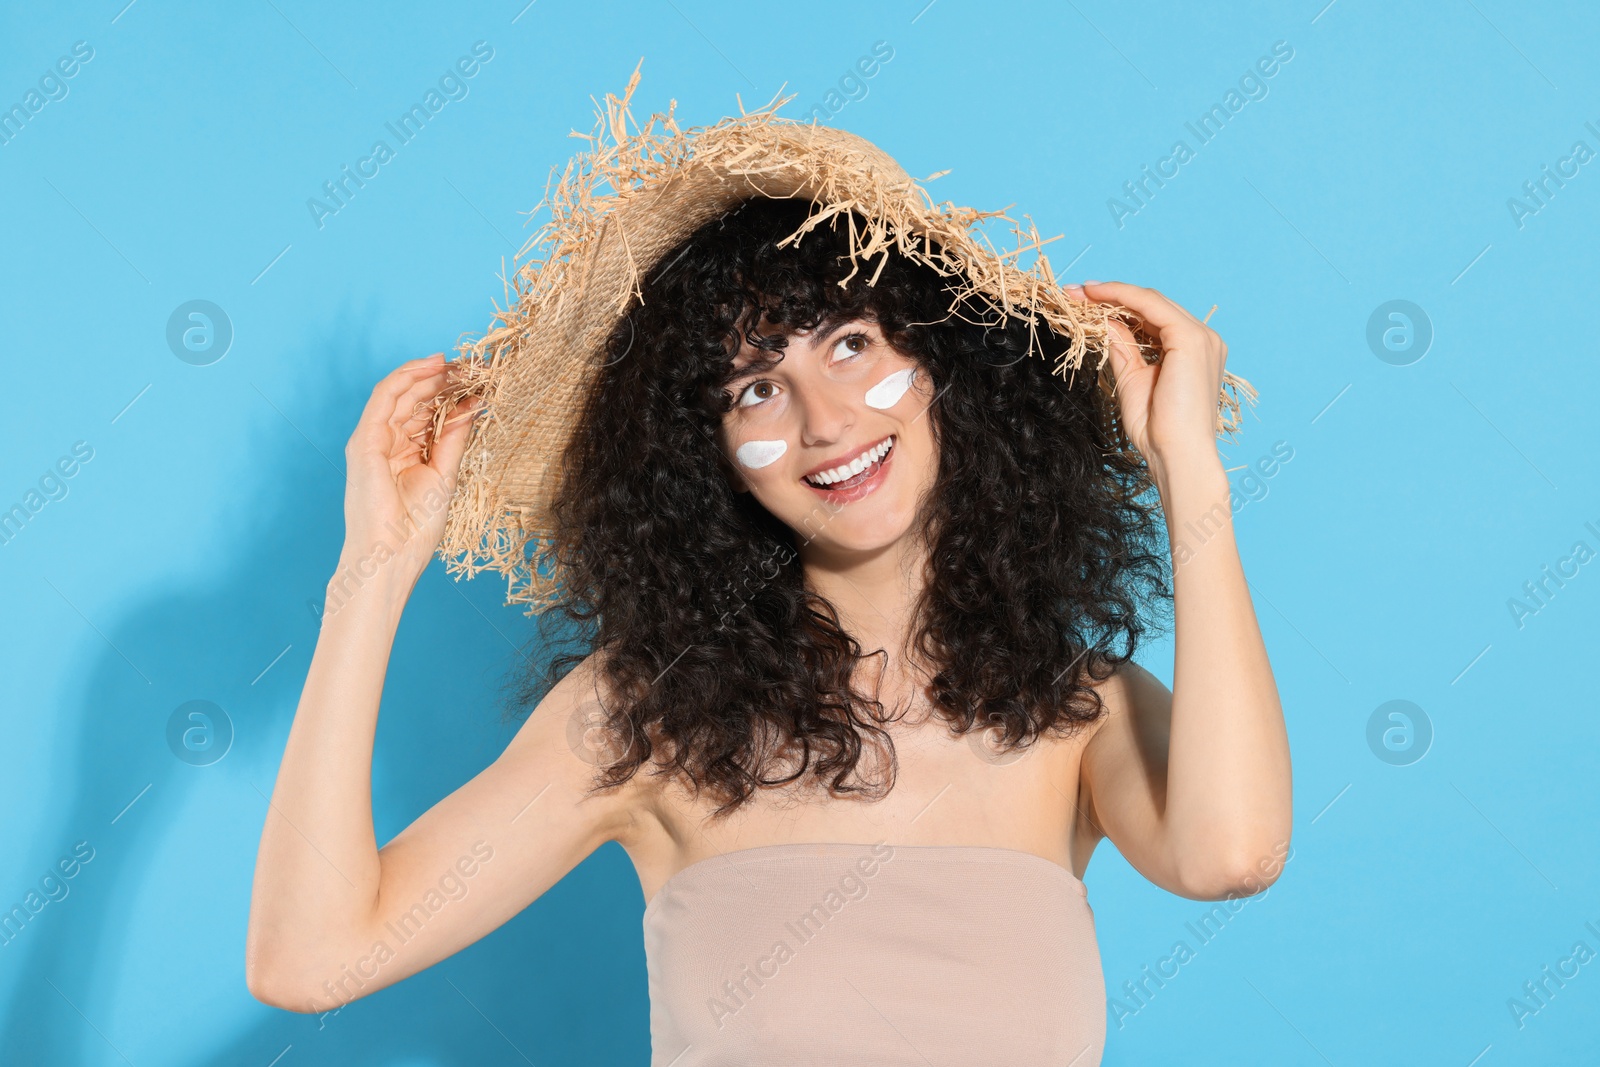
<point x="719" y="663"/>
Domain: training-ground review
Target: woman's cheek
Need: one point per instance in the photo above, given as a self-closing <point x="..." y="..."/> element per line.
<point x="753" y="455"/>
<point x="888" y="392"/>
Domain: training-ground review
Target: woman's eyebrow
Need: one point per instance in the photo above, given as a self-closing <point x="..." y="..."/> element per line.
<point x="757" y="365"/>
<point x="832" y="321"/>
<point x="828" y="325"/>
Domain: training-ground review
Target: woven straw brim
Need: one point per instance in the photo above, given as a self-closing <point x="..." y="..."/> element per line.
<point x="614" y="211"/>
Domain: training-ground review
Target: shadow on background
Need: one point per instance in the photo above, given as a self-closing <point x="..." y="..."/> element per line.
<point x="172" y="841"/>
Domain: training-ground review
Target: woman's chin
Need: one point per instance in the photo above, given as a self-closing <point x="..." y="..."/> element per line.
<point x="854" y="535"/>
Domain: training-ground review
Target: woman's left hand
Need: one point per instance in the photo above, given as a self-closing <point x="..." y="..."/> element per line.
<point x="1169" y="408"/>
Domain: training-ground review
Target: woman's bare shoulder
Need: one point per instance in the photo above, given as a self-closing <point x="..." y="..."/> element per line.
<point x="584" y="713"/>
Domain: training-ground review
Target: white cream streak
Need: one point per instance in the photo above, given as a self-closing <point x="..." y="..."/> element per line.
<point x="757" y="454"/>
<point x="887" y="393"/>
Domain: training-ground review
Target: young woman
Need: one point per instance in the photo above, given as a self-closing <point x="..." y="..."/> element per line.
<point x="859" y="584"/>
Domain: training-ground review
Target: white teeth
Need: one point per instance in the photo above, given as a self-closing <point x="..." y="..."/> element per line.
<point x="855" y="466"/>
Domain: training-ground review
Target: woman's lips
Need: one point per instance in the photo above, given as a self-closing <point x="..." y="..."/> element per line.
<point x="853" y="489"/>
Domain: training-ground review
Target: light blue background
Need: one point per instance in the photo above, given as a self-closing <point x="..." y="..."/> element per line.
<point x="1418" y="501"/>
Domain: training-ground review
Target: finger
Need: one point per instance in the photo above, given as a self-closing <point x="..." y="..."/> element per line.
<point x="406" y="409"/>
<point x="380" y="405"/>
<point x="461" y="412"/>
<point x="1117" y="330"/>
<point x="1127" y="355"/>
<point x="405" y="373"/>
<point x="451" y="443"/>
<point x="1125" y="352"/>
<point x="1152" y="306"/>
<point x="412" y="367"/>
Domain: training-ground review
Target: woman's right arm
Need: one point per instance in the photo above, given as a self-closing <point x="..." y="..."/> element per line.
<point x="332" y="916"/>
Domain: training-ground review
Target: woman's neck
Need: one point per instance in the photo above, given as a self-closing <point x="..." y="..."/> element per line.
<point x="875" y="593"/>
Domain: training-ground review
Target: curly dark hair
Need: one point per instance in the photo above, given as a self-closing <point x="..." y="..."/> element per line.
<point x="719" y="664"/>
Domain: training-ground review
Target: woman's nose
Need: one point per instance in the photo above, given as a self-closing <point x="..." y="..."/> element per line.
<point x="827" y="412"/>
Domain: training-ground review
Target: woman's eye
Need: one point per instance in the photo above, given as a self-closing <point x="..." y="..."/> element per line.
<point x="850" y="345"/>
<point x="756" y="392"/>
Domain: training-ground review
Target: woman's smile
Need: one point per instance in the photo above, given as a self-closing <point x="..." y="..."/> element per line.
<point x="855" y="477"/>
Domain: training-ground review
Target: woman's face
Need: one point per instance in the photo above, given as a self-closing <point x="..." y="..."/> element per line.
<point x="834" y="439"/>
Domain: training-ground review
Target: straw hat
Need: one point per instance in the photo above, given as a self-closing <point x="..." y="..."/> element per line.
<point x="614" y="211"/>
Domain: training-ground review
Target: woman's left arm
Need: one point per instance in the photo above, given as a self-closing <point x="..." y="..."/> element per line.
<point x="1193" y="787"/>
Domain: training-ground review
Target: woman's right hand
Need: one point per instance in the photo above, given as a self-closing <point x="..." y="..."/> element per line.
<point x="394" y="500"/>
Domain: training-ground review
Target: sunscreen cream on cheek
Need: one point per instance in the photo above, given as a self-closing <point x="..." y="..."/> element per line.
<point x="887" y="393"/>
<point x="757" y="454"/>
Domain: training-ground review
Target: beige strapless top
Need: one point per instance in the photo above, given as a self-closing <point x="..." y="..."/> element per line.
<point x="843" y="954"/>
